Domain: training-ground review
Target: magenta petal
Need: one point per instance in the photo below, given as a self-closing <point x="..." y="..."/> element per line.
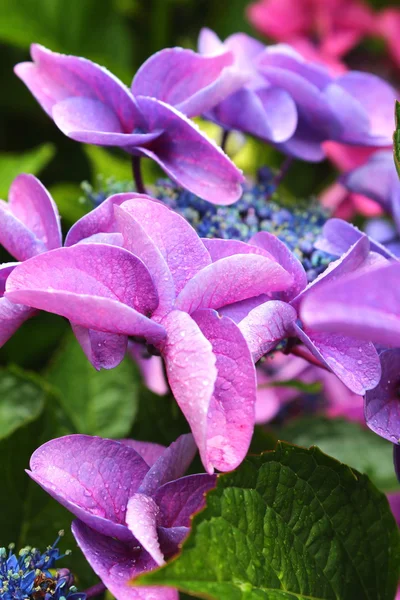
<point x="184" y="79"/>
<point x="5" y="270"/>
<point x="281" y="253"/>
<point x="239" y="310"/>
<point x="116" y="563"/>
<point x="100" y="220"/>
<point x="149" y="451"/>
<point x="176" y="240"/>
<point x="188" y="156"/>
<point x="230" y="419"/>
<point x="92" y="477"/>
<point x="365" y="305"/>
<point x="94" y="285"/>
<point x="54" y="77"/>
<point x="32" y="204"/>
<point x="178" y="500"/>
<point x="104" y="350"/>
<point x="173" y="463"/>
<point x="141" y="518"/>
<point x="191" y="371"/>
<point x="16" y="238"/>
<point x="137" y="241"/>
<point x="219" y="248"/>
<point x="266" y="325"/>
<point x="93" y="122"/>
<point x="232" y="279"/>
<point x="382" y="404"/>
<point x="114" y="239"/>
<point x="151" y="368"/>
<point x="354" y="362"/>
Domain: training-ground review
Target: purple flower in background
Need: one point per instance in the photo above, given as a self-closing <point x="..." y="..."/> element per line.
<point x="297" y="104"/>
<point x="29" y="225"/>
<point x="133" y="506"/>
<point x="90" y="105"/>
<point x="165" y="288"/>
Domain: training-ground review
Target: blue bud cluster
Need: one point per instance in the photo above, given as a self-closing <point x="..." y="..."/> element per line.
<point x="29" y="574"/>
<point x="260" y="208"/>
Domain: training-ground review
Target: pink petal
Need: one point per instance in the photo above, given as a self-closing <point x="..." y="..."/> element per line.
<point x="218" y="248"/>
<point x="188" y="156"/>
<point x="266" y="325"/>
<point x="92" y="477"/>
<point x="116" y="563"/>
<point x="176" y="240"/>
<point x="191" y="371"/>
<point x="232" y="279"/>
<point x="141" y="517"/>
<point x="178" y="500"/>
<point x="97" y="286"/>
<point x="137" y="241"/>
<point x="54" y="77"/>
<point x="173" y="463"/>
<point x="365" y="305"/>
<point x="355" y="362"/>
<point x="104" y="350"/>
<point x="230" y="418"/>
<point x="32" y="204"/>
<point x="100" y="220"/>
<point x="281" y="253"/>
<point x="209" y="42"/>
<point x="149" y="451"/>
<point x="93" y="122"/>
<point x="192" y="83"/>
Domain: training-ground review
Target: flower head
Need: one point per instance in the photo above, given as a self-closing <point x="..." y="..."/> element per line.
<point x="90" y="105"/>
<point x="133" y="506"/>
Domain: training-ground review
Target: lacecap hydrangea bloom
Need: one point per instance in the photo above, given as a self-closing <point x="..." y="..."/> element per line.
<point x="133" y="506"/>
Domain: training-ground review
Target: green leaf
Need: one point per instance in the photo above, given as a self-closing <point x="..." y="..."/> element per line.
<point x="297" y="384"/>
<point x="292" y="524"/>
<point x="31" y="161"/>
<point x="68" y="197"/>
<point x="396" y="138"/>
<point x="107" y="164"/>
<point x="21" y="401"/>
<point x="348" y="442"/>
<point x="98" y="403"/>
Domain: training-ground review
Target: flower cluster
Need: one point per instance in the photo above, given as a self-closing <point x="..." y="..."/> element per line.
<point x="29" y="575"/>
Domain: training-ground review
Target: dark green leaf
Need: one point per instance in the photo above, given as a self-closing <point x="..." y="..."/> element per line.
<point x="348" y="442"/>
<point x="297" y="384"/>
<point x="292" y="524"/>
<point x="21" y="401"/>
<point x="31" y="161"/>
<point x="98" y="403"/>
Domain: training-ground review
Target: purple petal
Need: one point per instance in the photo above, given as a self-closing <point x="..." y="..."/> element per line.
<point x="382" y="404"/>
<point x="230" y="418"/>
<point x="352" y="260"/>
<point x="141" y="517"/>
<point x="394" y="503"/>
<point x="375" y="178"/>
<point x="306" y="143"/>
<point x="113" y="239"/>
<point x="209" y="42"/>
<point x="137" y="241"/>
<point x="176" y="240"/>
<point x="218" y="248"/>
<point x="286" y="258"/>
<point x="16" y="238"/>
<point x="268" y="113"/>
<point x="191" y="371"/>
<point x="92" y="477"/>
<point x="32" y="204"/>
<point x="97" y="286"/>
<point x="149" y="451"/>
<point x="151" y="368"/>
<point x="192" y="83"/>
<point x="5" y="270"/>
<point x="100" y="220"/>
<point x="54" y="77"/>
<point x="232" y="279"/>
<point x="179" y="500"/>
<point x="171" y="539"/>
<point x="266" y="325"/>
<point x="354" y="362"/>
<point x="239" y="310"/>
<point x="93" y="122"/>
<point x="365" y="305"/>
<point x="285" y="57"/>
<point x="173" y="463"/>
<point x="104" y="350"/>
<point x="116" y="563"/>
<point x="396" y="460"/>
<point x="188" y="156"/>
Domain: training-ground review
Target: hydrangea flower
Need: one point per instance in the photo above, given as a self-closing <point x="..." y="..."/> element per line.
<point x="133" y="506"/>
<point x="29" y="225"/>
<point x="165" y="288"/>
<point x="91" y="105"/>
<point x="29" y="575"/>
<point x="304" y="103"/>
